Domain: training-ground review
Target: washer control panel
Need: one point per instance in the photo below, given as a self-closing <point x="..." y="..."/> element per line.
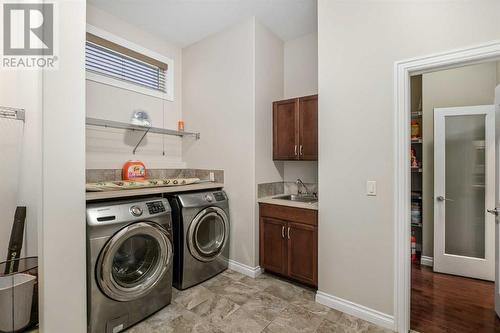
<point x="155" y="207"/>
<point x="208" y="198"/>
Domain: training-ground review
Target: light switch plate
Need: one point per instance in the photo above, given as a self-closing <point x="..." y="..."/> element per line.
<point x="371" y="188"/>
<point x="212" y="177"/>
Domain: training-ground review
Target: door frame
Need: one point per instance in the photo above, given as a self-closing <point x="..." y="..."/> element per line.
<point x="403" y="70"/>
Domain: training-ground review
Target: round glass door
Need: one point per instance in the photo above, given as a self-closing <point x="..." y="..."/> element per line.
<point x="133" y="261"/>
<point x="208" y="234"/>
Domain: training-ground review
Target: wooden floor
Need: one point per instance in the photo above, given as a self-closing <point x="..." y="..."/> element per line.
<point x="447" y="303"/>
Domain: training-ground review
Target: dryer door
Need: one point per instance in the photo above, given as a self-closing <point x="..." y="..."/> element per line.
<point x="133" y="261"/>
<point x="208" y="233"/>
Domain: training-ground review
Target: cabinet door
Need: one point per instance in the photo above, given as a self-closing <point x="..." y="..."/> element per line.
<point x="303" y="252"/>
<point x="308" y="128"/>
<point x="285" y="130"/>
<point x="273" y="245"/>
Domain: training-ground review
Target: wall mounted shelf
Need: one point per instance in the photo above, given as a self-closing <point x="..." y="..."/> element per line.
<point x="125" y="126"/>
<point x="12" y="113"/>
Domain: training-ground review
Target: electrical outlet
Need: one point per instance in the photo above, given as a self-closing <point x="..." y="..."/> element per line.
<point x="371" y="188"/>
<point x="212" y="177"/>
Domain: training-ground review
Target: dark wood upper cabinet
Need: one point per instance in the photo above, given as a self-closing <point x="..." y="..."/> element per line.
<point x="308" y="128"/>
<point x="285" y="129"/>
<point x="295" y="129"/>
<point x="289" y="242"/>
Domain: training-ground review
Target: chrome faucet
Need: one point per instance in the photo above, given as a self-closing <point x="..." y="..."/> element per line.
<point x="300" y="182"/>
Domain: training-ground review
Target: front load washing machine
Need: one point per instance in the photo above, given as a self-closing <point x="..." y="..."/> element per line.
<point x="200" y="223"/>
<point x="129" y="262"/>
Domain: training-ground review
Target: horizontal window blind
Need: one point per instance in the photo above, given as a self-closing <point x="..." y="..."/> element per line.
<point x="112" y="63"/>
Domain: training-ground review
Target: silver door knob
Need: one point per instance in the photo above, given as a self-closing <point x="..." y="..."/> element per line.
<point x="493" y="211"/>
<point x="441" y="198"/>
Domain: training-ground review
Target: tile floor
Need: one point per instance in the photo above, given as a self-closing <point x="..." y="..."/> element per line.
<point x="232" y="302"/>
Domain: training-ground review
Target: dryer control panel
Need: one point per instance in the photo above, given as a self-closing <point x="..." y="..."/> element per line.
<point x="219" y="196"/>
<point x="155" y="207"/>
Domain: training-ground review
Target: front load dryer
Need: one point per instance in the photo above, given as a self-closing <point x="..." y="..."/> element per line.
<point x="200" y="223"/>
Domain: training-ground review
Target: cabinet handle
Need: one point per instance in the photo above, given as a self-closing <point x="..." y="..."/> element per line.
<point x="288" y="233"/>
<point x="295" y="150"/>
<point x="301" y="150"/>
<point x="283" y="231"/>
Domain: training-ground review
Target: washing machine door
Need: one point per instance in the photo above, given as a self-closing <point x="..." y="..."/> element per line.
<point x="208" y="233"/>
<point x="133" y="261"/>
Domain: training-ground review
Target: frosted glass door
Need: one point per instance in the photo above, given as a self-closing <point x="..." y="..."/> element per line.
<point x="464" y="185"/>
<point x="464" y="171"/>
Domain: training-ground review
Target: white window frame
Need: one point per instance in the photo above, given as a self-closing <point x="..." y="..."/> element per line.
<point x="100" y="78"/>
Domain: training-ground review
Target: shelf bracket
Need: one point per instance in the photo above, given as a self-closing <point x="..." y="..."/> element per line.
<point x="12" y="113"/>
<point x="142" y="138"/>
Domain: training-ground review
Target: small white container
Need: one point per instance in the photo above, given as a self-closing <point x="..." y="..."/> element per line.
<point x="16" y="296"/>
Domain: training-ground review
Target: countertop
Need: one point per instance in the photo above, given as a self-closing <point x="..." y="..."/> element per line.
<point x="273" y="201"/>
<point x="151" y="190"/>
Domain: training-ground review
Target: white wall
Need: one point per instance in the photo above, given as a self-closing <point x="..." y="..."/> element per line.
<point x="218" y="100"/>
<point x="268" y="88"/>
<point x="301" y="66"/>
<point x="465" y="86"/>
<point x="307" y="171"/>
<point x="359" y="41"/>
<point x="301" y="79"/>
<point x="20" y="149"/>
<point x="10" y="150"/>
<point x="107" y="148"/>
<point x="62" y="252"/>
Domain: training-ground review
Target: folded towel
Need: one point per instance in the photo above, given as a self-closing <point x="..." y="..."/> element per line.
<point x="134" y="184"/>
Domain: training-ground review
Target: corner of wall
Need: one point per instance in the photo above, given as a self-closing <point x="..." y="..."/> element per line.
<point x="498" y="72"/>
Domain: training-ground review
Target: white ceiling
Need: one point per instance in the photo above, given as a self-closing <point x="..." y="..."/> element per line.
<point x="187" y="21"/>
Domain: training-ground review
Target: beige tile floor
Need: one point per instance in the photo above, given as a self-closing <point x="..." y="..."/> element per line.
<point x="232" y="302"/>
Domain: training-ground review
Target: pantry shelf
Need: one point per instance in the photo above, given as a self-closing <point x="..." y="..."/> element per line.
<point x="416" y="114"/>
<point x="416" y="162"/>
<point x="125" y="126"/>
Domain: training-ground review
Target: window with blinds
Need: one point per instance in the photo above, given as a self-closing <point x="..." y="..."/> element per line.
<point x="113" y="60"/>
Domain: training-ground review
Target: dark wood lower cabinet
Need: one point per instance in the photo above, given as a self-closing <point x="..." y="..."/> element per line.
<point x="289" y="242"/>
<point x="302" y="248"/>
<point x="272" y="241"/>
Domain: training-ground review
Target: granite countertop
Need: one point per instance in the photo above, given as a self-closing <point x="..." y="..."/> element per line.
<point x="151" y="190"/>
<point x="272" y="200"/>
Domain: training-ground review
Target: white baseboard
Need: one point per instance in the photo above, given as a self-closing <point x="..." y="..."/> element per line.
<point x="252" y="272"/>
<point x="427" y="261"/>
<point x="357" y="310"/>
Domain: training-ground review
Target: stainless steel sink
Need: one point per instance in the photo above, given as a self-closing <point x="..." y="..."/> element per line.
<point x="298" y="197"/>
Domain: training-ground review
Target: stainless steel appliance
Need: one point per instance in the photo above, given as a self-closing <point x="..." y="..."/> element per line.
<point x="129" y="262"/>
<point x="201" y="236"/>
